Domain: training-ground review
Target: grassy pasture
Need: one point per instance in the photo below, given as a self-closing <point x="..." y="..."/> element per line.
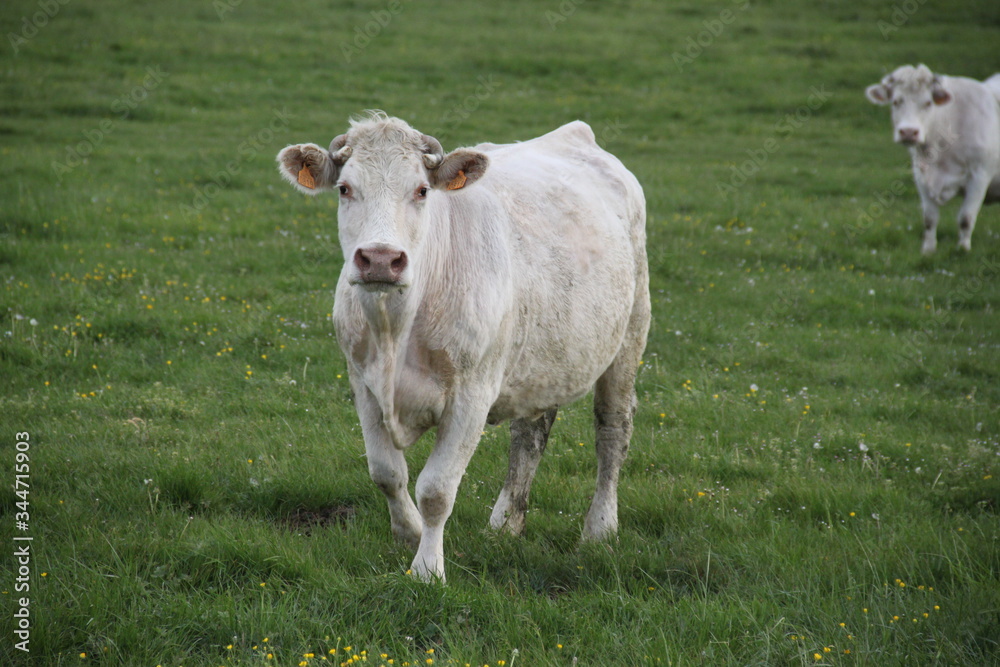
<point x="814" y="473"/>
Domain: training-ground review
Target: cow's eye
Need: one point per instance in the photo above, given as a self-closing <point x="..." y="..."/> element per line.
<point x="345" y="190"/>
<point x="421" y="192"/>
<point x="896" y="102"/>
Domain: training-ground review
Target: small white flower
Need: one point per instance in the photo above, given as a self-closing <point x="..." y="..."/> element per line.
<point x="862" y="446"/>
<point x="753" y="387"/>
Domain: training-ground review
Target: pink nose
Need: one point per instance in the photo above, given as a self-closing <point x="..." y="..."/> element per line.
<point x="380" y="263"/>
<point x="909" y="134"/>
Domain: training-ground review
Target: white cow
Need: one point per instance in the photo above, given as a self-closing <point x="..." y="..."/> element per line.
<point x="492" y="283"/>
<point x="951" y="125"/>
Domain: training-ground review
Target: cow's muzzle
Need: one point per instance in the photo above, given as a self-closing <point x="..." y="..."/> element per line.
<point x="380" y="265"/>
<point x="909" y="136"/>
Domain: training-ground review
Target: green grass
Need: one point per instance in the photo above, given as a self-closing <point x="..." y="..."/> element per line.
<point x="814" y="473"/>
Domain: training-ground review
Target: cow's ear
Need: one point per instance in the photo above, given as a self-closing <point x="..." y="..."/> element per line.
<point x="878" y="94"/>
<point x="458" y="169"/>
<point x="312" y="169"/>
<point x="938" y="93"/>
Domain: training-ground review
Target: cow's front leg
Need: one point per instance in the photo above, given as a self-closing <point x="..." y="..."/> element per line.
<point x="527" y="444"/>
<point x="387" y="467"/>
<point x="457" y="438"/>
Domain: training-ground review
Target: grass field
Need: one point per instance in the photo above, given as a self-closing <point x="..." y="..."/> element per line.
<point x="815" y="473"/>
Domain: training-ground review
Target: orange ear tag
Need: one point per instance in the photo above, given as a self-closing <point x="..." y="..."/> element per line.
<point x="306" y="179"/>
<point x="458" y="182"/>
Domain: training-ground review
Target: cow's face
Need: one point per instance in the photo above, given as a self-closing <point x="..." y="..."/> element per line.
<point x="382" y="218"/>
<point x="391" y="180"/>
<point x="914" y="93"/>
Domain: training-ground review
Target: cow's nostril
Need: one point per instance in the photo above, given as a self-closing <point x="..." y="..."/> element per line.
<point x="361" y="261"/>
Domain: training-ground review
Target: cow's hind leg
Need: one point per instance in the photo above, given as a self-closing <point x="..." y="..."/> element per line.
<point x="527" y="443"/>
<point x="975" y="193"/>
<point x="614" y="408"/>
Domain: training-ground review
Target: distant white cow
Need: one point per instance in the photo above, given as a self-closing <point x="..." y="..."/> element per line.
<point x="952" y="128"/>
<point x="491" y="283"/>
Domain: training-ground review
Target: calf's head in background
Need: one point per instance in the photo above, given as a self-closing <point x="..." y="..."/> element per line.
<point x="388" y="175"/>
<point x="915" y="93"/>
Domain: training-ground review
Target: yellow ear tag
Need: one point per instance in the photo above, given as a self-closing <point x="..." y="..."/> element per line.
<point x="458" y="182"/>
<point x="306" y="178"/>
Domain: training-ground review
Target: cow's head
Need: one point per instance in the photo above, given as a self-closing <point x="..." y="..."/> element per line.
<point x="389" y="176"/>
<point x="914" y="93"/>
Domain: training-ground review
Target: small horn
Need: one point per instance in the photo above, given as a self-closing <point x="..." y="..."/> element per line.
<point x="339" y="150"/>
<point x="433" y="154"/>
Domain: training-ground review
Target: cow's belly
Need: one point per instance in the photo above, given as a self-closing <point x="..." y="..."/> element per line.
<point x="559" y="351"/>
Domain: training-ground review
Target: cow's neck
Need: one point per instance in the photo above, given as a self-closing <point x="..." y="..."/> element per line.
<point x="941" y="137"/>
<point x="391" y="317"/>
